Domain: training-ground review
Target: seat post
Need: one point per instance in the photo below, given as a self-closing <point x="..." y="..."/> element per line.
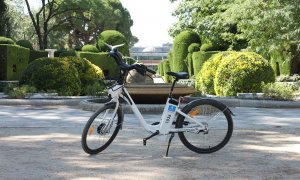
<point x="172" y="88"/>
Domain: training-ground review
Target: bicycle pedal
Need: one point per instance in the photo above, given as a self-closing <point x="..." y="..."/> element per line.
<point x="155" y="123"/>
<point x="151" y="136"/>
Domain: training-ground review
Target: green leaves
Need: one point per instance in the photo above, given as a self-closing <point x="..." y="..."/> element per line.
<point x="262" y="25"/>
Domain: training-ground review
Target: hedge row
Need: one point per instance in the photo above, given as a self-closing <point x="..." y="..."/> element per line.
<point x="286" y="61"/>
<point x="104" y="61"/>
<point x="13" y="61"/>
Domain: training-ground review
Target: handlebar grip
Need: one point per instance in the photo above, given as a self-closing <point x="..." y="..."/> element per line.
<point x="151" y="71"/>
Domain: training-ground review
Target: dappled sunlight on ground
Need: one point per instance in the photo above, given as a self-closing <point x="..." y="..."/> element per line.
<point x="52" y="150"/>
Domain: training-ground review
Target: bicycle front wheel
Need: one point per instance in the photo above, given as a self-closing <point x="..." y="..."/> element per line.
<point x="213" y="115"/>
<point x="101" y="129"/>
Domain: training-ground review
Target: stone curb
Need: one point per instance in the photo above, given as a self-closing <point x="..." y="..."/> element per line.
<point x="40" y="102"/>
<point x="158" y="108"/>
<point x="147" y="108"/>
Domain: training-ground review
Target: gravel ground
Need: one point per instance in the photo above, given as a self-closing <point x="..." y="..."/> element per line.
<point x="44" y="143"/>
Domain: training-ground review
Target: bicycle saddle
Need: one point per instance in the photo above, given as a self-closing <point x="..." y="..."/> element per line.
<point x="179" y="75"/>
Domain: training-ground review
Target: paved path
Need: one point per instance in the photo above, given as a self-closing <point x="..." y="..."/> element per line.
<point x="44" y="143"/>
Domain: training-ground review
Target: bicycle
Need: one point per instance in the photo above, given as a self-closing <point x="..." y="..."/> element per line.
<point x="203" y="125"/>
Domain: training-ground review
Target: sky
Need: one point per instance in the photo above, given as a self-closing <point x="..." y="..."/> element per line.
<point x="152" y="19"/>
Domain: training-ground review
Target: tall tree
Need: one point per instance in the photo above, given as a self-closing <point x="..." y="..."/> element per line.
<point x="101" y="15"/>
<point x="43" y="20"/>
<point x="4" y="20"/>
<point x="78" y="21"/>
<point x="20" y="29"/>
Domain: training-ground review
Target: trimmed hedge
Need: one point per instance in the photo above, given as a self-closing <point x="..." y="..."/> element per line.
<point x="112" y="37"/>
<point x="209" y="47"/>
<point x="166" y="67"/>
<point x="205" y="78"/>
<point x="70" y="53"/>
<point x="160" y="68"/>
<point x="180" y="49"/>
<point x="194" y="47"/>
<point x="199" y="59"/>
<point x="287" y="61"/>
<point x="103" y="61"/>
<point x="89" y="48"/>
<point x="5" y="40"/>
<point x="242" y="72"/>
<point x="36" y="54"/>
<point x="25" y="44"/>
<point x="52" y="74"/>
<point x="13" y="61"/>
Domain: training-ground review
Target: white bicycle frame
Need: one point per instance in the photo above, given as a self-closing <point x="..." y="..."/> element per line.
<point x="164" y="127"/>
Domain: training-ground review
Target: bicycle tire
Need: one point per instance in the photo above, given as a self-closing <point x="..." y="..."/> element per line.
<point x="107" y="136"/>
<point x="197" y="109"/>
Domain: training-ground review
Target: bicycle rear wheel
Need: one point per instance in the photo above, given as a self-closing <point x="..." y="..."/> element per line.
<point x="101" y="129"/>
<point x="212" y="114"/>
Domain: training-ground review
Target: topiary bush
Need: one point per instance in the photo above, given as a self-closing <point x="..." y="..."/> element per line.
<point x="70" y="53"/>
<point x="25" y="44"/>
<point x="112" y="37"/>
<point x="89" y="48"/>
<point x="242" y="72"/>
<point x="180" y="49"/>
<point x="89" y="73"/>
<point x="166" y="67"/>
<point x="13" y="61"/>
<point x="160" y="68"/>
<point x="194" y="47"/>
<point x="208" y="47"/>
<point x="5" y="40"/>
<point x="52" y="74"/>
<point x="205" y="78"/>
<point x="286" y="61"/>
<point x="107" y="64"/>
<point x="36" y="54"/>
<point x="199" y="59"/>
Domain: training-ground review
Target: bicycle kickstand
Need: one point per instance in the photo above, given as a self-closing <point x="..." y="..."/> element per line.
<point x="171" y="137"/>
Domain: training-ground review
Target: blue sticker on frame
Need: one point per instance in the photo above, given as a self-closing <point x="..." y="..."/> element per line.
<point x="172" y="108"/>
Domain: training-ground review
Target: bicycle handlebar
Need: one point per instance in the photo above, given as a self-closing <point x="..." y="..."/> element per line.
<point x="140" y="68"/>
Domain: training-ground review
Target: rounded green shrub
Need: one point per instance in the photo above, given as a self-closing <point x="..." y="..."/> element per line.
<point x="47" y="74"/>
<point x="88" y="73"/>
<point x="208" y="47"/>
<point x="205" y="78"/>
<point x="89" y="48"/>
<point x="25" y="44"/>
<point x="180" y="49"/>
<point x="214" y="46"/>
<point x="5" y="40"/>
<point x="242" y="72"/>
<point x="112" y="37"/>
<point x="194" y="47"/>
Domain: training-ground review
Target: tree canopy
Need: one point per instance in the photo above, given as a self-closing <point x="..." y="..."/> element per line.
<point x="261" y="25"/>
<point x="77" y="22"/>
<point x="5" y="27"/>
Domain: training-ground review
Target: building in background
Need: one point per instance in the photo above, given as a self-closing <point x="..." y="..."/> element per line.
<point x="151" y="56"/>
